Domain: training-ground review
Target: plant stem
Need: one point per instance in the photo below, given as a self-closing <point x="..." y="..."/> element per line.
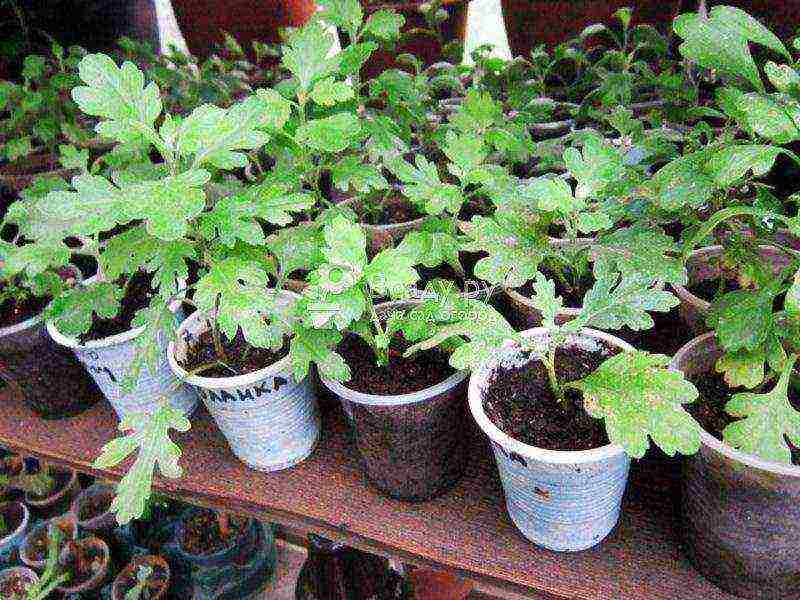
<point x="549" y="360"/>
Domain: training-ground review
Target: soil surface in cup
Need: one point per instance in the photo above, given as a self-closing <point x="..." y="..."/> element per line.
<point x="520" y="402"/>
<point x="156" y="582"/>
<point x="138" y="293"/>
<point x="387" y="212"/>
<point x="239" y="356"/>
<point x="668" y="334"/>
<point x="83" y="561"/>
<point x="709" y="409"/>
<point x="203" y="535"/>
<point x="60" y="480"/>
<point x="93" y="506"/>
<point x="477" y="205"/>
<point x="17" y="310"/>
<point x="12" y="516"/>
<point x="15" y="586"/>
<point x="401" y="376"/>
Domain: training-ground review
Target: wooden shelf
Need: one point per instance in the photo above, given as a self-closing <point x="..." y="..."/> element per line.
<point x="466" y="531"/>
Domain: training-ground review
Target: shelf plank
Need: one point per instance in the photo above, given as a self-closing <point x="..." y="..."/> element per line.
<point x="466" y="531"/>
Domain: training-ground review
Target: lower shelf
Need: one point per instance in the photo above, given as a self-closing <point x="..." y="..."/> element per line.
<point x="466" y="530"/>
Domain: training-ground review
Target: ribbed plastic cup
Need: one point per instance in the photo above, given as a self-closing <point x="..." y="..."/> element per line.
<point x="561" y="500"/>
<point x="108" y="361"/>
<point x="271" y="421"/>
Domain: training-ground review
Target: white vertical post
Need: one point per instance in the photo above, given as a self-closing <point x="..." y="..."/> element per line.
<point x="169" y="34"/>
<point x="485" y="25"/>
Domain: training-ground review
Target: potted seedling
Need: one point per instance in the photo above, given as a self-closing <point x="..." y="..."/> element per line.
<point x="566" y="406"/>
<point x="49" y="490"/>
<point x="235" y="352"/>
<point x="21" y="583"/>
<point x="14" y="525"/>
<point x="225" y="554"/>
<point x="117" y="322"/>
<point x="144" y="578"/>
<point x="748" y="463"/>
<point x="34" y="550"/>
<point x="86" y="563"/>
<point x="418" y="402"/>
<point x="52" y="383"/>
<point x="39" y="116"/>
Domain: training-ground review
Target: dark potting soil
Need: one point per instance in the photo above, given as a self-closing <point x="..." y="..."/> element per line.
<point x="443" y="271"/>
<point x="156" y="582"/>
<point x="202" y="534"/>
<point x="401" y="376"/>
<point x="139" y="292"/>
<point x="84" y="568"/>
<point x="520" y="403"/>
<point x="708" y="289"/>
<point x="15" y="586"/>
<point x="709" y="409"/>
<point x="240" y="357"/>
<point x="12" y="517"/>
<point x="668" y="334"/>
<point x="475" y="206"/>
<point x="94" y="506"/>
<point x="60" y="480"/>
<point x="388" y="212"/>
<point x="13" y="312"/>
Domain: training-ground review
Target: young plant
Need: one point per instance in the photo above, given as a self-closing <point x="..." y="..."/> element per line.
<point x="143" y="575"/>
<point x="39" y="113"/>
<point x="52" y="576"/>
<point x="632" y="392"/>
<point x="342" y="295"/>
<point x="40" y="484"/>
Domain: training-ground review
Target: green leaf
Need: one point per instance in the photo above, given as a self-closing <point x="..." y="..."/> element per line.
<point x="544" y="300"/>
<point x="118" y="95"/>
<point x="595" y="168"/>
<point x="236" y="292"/>
<point x="17" y="148"/>
<point x="613" y="303"/>
<point x="306" y="54"/>
<point x="32" y="259"/>
<point x="33" y="66"/>
<point x="431" y="248"/>
<point x="126" y="252"/>
<point x="346" y="14"/>
<point x="73" y="310"/>
<point x="276" y="109"/>
<point x="391" y="273"/>
<point x="96" y="205"/>
<point x="275" y="204"/>
<point x="72" y="158"/>
<point x="297" y="248"/>
<point x="647" y="251"/>
<point x="213" y="135"/>
<point x="351" y="174"/>
<point x="328" y="301"/>
<point x="767" y="421"/>
<point x="742" y="319"/>
<point x="514" y="249"/>
<point x="481" y="329"/>
<point x="478" y="112"/>
<point x="742" y="368"/>
<point x="329" y="134"/>
<point x="771" y="116"/>
<point x="329" y="92"/>
<point x="317" y="346"/>
<point x="355" y="56"/>
<point x="637" y="396"/>
<point x="151" y="440"/>
<point x="232" y="218"/>
<point x="345" y="244"/>
<point x="167" y="205"/>
<point x="423" y="186"/>
<point x="792" y="302"/>
<point x="384" y="25"/>
<point x="720" y="42"/>
<point x="552" y="194"/>
<point x="466" y="153"/>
